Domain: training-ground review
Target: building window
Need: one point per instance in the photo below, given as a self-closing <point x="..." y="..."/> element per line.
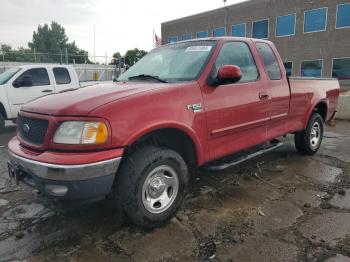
<point x="270" y="61"/>
<point x="261" y="29"/>
<point x="219" y="31"/>
<point x="239" y="30"/>
<point x="289" y="68"/>
<point x="285" y="25"/>
<point x="172" y="39"/>
<point x="341" y="68"/>
<point x="343" y="15"/>
<point x="315" y="20"/>
<point x="186" y="37"/>
<point x="239" y="54"/>
<point x="202" y="34"/>
<point x="311" y="68"/>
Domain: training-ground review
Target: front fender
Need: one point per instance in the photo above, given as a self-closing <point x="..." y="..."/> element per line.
<point x="173" y="125"/>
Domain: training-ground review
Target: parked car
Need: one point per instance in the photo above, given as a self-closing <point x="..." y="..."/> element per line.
<point x="22" y="84"/>
<point x="182" y="106"/>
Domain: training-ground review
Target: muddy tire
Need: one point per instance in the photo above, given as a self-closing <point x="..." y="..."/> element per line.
<point x="2" y="124"/>
<point x="309" y="140"/>
<point x="151" y="185"/>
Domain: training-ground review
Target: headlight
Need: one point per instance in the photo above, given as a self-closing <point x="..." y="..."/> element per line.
<point x="79" y="132"/>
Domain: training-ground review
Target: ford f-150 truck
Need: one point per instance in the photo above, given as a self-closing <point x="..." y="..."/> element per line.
<point x="182" y="106"/>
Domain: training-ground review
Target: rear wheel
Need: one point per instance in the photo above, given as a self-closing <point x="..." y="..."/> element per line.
<point x="2" y="124"/>
<point x="309" y="140"/>
<point x="151" y="185"/>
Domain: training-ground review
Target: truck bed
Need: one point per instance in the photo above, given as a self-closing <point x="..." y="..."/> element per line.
<point x="306" y="93"/>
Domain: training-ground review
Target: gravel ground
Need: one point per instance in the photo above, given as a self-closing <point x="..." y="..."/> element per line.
<point x="278" y="207"/>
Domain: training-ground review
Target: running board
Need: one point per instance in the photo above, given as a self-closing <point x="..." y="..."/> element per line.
<point x="239" y="158"/>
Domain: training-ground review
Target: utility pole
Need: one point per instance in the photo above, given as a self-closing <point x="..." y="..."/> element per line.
<point x="66" y="55"/>
<point x="34" y="55"/>
<point x="95" y="77"/>
<point x="85" y="71"/>
<point x="94" y="45"/>
<point x="3" y="56"/>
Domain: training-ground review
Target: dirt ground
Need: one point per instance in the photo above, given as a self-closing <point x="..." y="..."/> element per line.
<point x="278" y="207"/>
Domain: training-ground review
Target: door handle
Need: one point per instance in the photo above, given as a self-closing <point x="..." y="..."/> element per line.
<point x="264" y="96"/>
<point x="46" y="91"/>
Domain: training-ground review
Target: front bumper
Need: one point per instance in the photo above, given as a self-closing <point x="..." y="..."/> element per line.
<point x="82" y="182"/>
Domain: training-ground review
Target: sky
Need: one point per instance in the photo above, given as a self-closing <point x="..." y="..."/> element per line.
<point x="119" y="25"/>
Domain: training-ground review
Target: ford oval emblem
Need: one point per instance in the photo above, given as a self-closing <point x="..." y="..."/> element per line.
<point x="26" y="128"/>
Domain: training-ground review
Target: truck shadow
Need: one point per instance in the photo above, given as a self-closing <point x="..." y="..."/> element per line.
<point x="9" y="132"/>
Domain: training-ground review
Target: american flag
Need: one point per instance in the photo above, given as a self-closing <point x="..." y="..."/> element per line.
<point x="157" y="41"/>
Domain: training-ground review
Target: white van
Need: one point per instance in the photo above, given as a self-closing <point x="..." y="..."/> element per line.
<point x="22" y="84"/>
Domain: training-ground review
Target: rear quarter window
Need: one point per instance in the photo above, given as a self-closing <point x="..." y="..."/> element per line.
<point x="62" y="76"/>
<point x="270" y="61"/>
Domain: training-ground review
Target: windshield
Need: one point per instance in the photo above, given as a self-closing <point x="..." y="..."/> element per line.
<point x="172" y="63"/>
<point x="6" y="76"/>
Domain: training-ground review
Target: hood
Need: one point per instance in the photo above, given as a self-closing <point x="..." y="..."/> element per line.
<point x="80" y="102"/>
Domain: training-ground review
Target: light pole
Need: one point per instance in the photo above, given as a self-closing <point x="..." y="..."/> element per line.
<point x="226" y="14"/>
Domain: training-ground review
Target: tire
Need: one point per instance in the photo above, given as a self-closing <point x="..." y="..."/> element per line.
<point x="2" y="124"/>
<point x="147" y="175"/>
<point x="308" y="141"/>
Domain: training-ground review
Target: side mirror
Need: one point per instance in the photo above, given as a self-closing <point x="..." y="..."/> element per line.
<point x="25" y="81"/>
<point x="229" y="74"/>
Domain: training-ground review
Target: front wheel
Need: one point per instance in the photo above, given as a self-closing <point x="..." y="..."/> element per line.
<point x="151" y="185"/>
<point x="309" y="140"/>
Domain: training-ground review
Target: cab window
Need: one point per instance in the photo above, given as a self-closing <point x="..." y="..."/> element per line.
<point x="38" y="76"/>
<point x="238" y="54"/>
<point x="270" y="61"/>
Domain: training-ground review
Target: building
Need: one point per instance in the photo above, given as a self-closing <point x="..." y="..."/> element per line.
<point x="312" y="36"/>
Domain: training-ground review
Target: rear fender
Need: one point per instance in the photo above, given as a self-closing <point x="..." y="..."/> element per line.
<point x="312" y="109"/>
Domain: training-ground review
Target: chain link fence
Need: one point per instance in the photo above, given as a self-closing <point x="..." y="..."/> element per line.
<point x="85" y="68"/>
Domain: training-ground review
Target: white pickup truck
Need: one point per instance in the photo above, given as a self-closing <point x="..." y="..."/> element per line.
<point x="22" y="84"/>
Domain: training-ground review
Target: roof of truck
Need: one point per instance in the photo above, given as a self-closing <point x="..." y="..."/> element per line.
<point x="225" y="38"/>
<point x="41" y="65"/>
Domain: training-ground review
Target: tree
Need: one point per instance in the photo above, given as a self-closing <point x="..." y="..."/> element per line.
<point x="116" y="57"/>
<point x="134" y="55"/>
<point x="20" y="55"/>
<point x="50" y="42"/>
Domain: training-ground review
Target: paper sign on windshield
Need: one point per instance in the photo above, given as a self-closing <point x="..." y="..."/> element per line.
<point x="198" y="49"/>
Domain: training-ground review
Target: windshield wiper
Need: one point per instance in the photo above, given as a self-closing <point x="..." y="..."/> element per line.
<point x="144" y="76"/>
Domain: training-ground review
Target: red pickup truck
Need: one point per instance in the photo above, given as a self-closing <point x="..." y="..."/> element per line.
<point x="182" y="106"/>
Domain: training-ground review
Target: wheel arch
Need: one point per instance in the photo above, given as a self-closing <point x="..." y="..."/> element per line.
<point x="320" y="107"/>
<point x="174" y="136"/>
<point x="3" y="111"/>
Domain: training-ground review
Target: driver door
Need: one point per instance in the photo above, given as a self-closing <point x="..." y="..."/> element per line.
<point x="31" y="84"/>
<point x="237" y="113"/>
